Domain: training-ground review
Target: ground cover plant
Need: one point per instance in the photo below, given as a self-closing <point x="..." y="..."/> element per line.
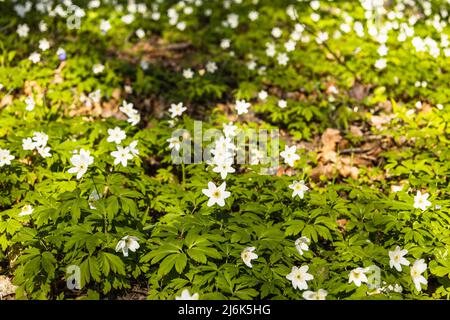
<point x="94" y="93"/>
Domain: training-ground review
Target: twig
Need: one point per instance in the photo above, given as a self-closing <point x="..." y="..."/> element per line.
<point x="356" y="150"/>
<point x="176" y="46"/>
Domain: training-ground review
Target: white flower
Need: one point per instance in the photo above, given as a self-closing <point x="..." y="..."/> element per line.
<point x="398" y="288"/>
<point x="28" y="144"/>
<point x="301" y="244"/>
<point x="5" y="157"/>
<point x="134" y="119"/>
<point x="229" y="130"/>
<point x="156" y="16"/>
<point x="242" y="106"/>
<point x="417" y="269"/>
<point x="81" y="161"/>
<point x="224" y="144"/>
<point x="290" y="45"/>
<point x="289" y="155"/>
<point x="140" y="33"/>
<point x="44" y="45"/>
<point x="98" y="68"/>
<point x="127" y="108"/>
<point x="132" y="147"/>
<point x="270" y="49"/>
<point x="44" y="152"/>
<point x="216" y="194"/>
<point x="253" y="15"/>
<point x="233" y="20"/>
<point x="188" y="10"/>
<point x="144" y="64"/>
<point x="262" y="95"/>
<point x="35" y="57"/>
<point x="299" y="188"/>
<point x="121" y="155"/>
<point x="26" y="210"/>
<point x="251" y="65"/>
<point x="276" y="32"/>
<point x="248" y="255"/>
<point x="211" y="67"/>
<point x="224" y="167"/>
<point x="321" y="37"/>
<point x="61" y="53"/>
<point x="225" y="43"/>
<point x="188" y="73"/>
<point x="174" y="143"/>
<point x="421" y="202"/>
<point x="127" y="243"/>
<point x="185" y="295"/>
<point x="40" y="138"/>
<point x="22" y="30"/>
<point x="38" y="142"/>
<point x="116" y="135"/>
<point x="282" y="103"/>
<point x="30" y="103"/>
<point x="105" y="26"/>
<point x="282" y="59"/>
<point x="396" y="259"/>
<point x="380" y="64"/>
<point x="315" y="17"/>
<point x="299" y="276"/>
<point x="382" y="50"/>
<point x="177" y="109"/>
<point x="181" y="25"/>
<point x="321" y="294"/>
<point x="128" y="19"/>
<point x="43" y="26"/>
<point x="315" y="4"/>
<point x="357" y="276"/>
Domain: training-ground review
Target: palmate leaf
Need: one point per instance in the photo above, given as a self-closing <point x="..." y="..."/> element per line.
<point x="110" y="262"/>
<point x="161" y="252"/>
<point x="167" y="264"/>
<point x="48" y="263"/>
<point x="294" y="227"/>
<point x="200" y="253"/>
<point x="180" y="262"/>
<point x="89" y="269"/>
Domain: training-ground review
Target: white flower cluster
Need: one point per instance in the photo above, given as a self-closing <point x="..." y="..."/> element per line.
<point x="39" y="142"/>
<point x="133" y="115"/>
<point x="223" y="159"/>
<point x="396" y="260"/>
<point x="122" y="154"/>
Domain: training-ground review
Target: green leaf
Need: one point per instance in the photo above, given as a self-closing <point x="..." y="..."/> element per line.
<point x="181" y="262"/>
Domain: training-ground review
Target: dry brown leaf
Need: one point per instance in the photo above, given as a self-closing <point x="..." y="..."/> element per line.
<point x="426" y="107"/>
<point x="6" y="101"/>
<point x="342" y="223"/>
<point x="328" y="156"/>
<point x="355" y="131"/>
<point x="379" y="121"/>
<point x="329" y="139"/>
<point x="6" y="287"/>
<point x="327" y="170"/>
